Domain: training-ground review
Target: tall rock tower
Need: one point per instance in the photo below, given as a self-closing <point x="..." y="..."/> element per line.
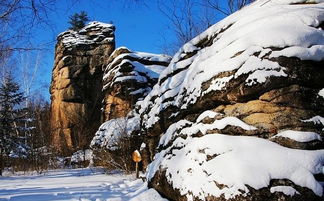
<point x="77" y="84"/>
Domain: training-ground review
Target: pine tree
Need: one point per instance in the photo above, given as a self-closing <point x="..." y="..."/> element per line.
<point x="78" y="21"/>
<point x="11" y="116"/>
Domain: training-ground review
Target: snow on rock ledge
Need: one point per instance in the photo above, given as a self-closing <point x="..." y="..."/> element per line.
<point x="129" y="77"/>
<point x="94" y="32"/>
<point x="231" y="161"/>
<point x="299" y="136"/>
<point x="217" y="107"/>
<point x="242" y="55"/>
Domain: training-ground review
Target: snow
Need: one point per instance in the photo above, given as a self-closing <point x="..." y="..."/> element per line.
<point x="222" y="123"/>
<point x="103" y="33"/>
<point x="207" y="113"/>
<point x="236" y="161"/>
<point x="243" y="44"/>
<point x="316" y="120"/>
<point x="144" y="68"/>
<point x="299" y="136"/>
<point x="288" y="190"/>
<point x="110" y="132"/>
<point x="170" y="133"/>
<point x="315" y="52"/>
<point x="82" y="155"/>
<point x="76" y="185"/>
<point x="179" y="128"/>
<point x="321" y="93"/>
<point x="143" y="146"/>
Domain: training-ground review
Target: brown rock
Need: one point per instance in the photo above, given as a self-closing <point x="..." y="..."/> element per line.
<point x="77" y="83"/>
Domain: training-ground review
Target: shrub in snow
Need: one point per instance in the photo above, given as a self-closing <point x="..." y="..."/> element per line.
<point x="114" y="143"/>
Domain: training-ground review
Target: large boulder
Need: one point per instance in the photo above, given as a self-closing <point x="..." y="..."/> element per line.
<point x="77" y="82"/>
<point x="238" y="113"/>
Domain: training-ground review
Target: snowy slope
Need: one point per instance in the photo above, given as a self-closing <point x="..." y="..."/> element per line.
<point x="76" y="185"/>
<point x="245" y="44"/>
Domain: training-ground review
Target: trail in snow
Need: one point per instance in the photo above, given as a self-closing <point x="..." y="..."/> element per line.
<point x="76" y="184"/>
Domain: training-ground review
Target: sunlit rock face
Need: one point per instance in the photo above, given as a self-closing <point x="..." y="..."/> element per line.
<point x="77" y="83"/>
<point x="239" y="112"/>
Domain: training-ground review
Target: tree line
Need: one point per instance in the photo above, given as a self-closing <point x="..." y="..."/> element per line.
<point x="24" y="129"/>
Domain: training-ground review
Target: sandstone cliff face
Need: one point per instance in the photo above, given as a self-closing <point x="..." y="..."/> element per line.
<point x="129" y="77"/>
<point x="77" y="83"/>
<point x="240" y="107"/>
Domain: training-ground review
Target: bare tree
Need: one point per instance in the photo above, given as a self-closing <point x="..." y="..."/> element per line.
<point x="17" y="20"/>
<point x="226" y="7"/>
<point x="187" y="18"/>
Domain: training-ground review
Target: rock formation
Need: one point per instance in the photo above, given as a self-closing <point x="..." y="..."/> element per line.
<point x="77" y="82"/>
<point x="129" y="77"/>
<point x="240" y="107"/>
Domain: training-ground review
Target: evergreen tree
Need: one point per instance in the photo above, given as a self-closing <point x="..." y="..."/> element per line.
<point x="78" y="20"/>
<point x="11" y="116"/>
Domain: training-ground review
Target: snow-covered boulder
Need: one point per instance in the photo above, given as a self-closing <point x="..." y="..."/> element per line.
<point x="129" y="77"/>
<point x="237" y="115"/>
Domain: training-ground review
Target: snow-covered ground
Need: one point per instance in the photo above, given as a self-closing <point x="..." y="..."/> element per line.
<point x="76" y="184"/>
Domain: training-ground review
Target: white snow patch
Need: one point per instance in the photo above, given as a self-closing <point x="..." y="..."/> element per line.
<point x="171" y="131"/>
<point x="287" y="190"/>
<point x="218" y="84"/>
<point x="236" y="162"/>
<point x="143" y="146"/>
<point x="321" y="93"/>
<point x="299" y="136"/>
<point x="185" y="127"/>
<point x="207" y="113"/>
<point x="222" y="123"/>
<point x="315" y="52"/>
<point x="316" y="120"/>
<point x="148" y="195"/>
<point x="97" y="29"/>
